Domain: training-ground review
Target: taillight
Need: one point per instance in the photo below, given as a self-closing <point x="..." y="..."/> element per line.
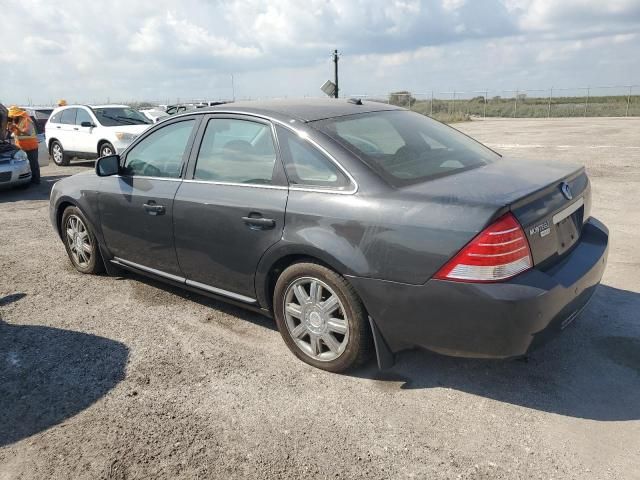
<point x="499" y="252"/>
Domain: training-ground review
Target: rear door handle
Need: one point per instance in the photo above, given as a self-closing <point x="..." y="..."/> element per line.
<point x="259" y="222"/>
<point x="154" y="209"/>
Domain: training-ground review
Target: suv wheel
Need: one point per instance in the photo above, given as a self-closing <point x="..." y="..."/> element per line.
<point x="106" y="149"/>
<point x="80" y="242"/>
<point x="57" y="154"/>
<point x="321" y="318"/>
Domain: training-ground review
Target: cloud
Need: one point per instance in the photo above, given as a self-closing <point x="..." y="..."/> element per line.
<point x="158" y="49"/>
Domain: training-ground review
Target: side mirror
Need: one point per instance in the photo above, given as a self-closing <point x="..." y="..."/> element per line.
<point x="87" y="124"/>
<point x="107" y="166"/>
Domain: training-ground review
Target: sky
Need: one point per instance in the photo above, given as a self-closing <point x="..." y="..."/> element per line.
<point x="165" y="50"/>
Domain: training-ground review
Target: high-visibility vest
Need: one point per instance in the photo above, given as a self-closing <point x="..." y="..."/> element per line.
<point x="27" y="139"/>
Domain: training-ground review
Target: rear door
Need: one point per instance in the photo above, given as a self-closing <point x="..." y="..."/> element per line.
<point x="136" y="207"/>
<point x="65" y="129"/>
<point x="230" y="208"/>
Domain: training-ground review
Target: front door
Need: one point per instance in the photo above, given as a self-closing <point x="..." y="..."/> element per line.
<point x="85" y="140"/>
<point x="230" y="208"/>
<point x="136" y="208"/>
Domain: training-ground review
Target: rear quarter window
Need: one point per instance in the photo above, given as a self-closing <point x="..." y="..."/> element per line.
<point x="55" y="118"/>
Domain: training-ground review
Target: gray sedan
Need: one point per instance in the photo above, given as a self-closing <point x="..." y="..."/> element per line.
<point x="14" y="167"/>
<point x="359" y="227"/>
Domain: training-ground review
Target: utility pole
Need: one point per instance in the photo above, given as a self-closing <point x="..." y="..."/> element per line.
<point x="335" y="71"/>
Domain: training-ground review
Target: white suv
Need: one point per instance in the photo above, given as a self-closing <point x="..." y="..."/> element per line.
<point x="92" y="131"/>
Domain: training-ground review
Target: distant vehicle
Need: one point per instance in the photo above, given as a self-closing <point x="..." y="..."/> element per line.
<point x="87" y="131"/>
<point x="154" y="114"/>
<point x="357" y="225"/>
<point x="14" y="166"/>
<point x="40" y="115"/>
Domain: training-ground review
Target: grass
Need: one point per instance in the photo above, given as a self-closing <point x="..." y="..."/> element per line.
<point x="525" y="107"/>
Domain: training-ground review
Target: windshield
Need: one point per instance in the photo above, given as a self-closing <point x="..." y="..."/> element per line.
<point x="406" y="147"/>
<point x="116" y="116"/>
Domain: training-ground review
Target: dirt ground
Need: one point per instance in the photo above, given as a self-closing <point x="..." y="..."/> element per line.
<point x="121" y="378"/>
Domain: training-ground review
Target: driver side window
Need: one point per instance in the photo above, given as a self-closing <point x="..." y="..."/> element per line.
<point x="161" y="153"/>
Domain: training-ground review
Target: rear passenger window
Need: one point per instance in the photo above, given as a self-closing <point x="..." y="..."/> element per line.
<point x="306" y="165"/>
<point x="236" y="151"/>
<point x="69" y="116"/>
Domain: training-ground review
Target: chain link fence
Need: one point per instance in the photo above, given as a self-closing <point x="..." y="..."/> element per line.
<point x="597" y="101"/>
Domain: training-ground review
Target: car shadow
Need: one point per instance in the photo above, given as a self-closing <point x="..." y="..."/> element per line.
<point x="242" y="314"/>
<point x="591" y="370"/>
<point x="48" y="375"/>
<point x="33" y="192"/>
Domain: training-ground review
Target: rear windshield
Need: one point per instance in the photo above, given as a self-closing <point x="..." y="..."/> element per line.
<point x="406" y="147"/>
<point x="116" y="116"/>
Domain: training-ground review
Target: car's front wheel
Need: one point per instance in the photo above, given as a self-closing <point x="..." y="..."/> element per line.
<point x="106" y="149"/>
<point x="321" y="318"/>
<point x="57" y="154"/>
<point x="80" y="242"/>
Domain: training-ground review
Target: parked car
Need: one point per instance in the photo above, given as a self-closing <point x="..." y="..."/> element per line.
<point x="154" y="114"/>
<point x="356" y="225"/>
<point x="92" y="131"/>
<point x="14" y="166"/>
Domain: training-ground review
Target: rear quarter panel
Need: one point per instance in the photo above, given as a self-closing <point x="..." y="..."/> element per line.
<point x="401" y="238"/>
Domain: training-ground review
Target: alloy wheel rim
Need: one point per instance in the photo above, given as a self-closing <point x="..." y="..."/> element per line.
<point x="57" y="153"/>
<point x="316" y="319"/>
<point x="79" y="241"/>
<point x="106" y="151"/>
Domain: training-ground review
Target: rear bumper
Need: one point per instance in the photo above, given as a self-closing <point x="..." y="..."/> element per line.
<point x="491" y="320"/>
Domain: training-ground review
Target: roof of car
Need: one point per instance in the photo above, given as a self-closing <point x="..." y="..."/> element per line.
<point x="307" y="109"/>
<point x="107" y="106"/>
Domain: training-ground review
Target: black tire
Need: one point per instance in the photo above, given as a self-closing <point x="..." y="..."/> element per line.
<point x="58" y="155"/>
<point x="94" y="263"/>
<point x="359" y="343"/>
<point x="106" y="149"/>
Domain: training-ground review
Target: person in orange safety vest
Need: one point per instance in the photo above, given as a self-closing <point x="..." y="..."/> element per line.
<point x="24" y="135"/>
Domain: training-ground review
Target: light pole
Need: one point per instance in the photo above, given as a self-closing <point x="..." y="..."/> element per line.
<point x="335" y="72"/>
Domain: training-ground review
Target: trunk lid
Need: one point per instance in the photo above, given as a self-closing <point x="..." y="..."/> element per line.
<point x="551" y="214"/>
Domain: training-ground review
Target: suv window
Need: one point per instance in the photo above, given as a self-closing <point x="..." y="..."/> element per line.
<point x="83" y="116"/>
<point x="237" y="151"/>
<point x="306" y="165"/>
<point x="56" y="118"/>
<point x="161" y="153"/>
<point x="69" y="116"/>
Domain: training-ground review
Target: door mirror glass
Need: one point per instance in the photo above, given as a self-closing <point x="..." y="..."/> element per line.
<point x="107" y="166"/>
<point x="87" y="124"/>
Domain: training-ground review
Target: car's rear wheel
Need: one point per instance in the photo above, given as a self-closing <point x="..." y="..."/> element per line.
<point x="80" y="242"/>
<point x="58" y="155"/>
<point x="106" y="149"/>
<point x="321" y="318"/>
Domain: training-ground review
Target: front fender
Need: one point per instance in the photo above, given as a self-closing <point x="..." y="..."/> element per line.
<point x="81" y="192"/>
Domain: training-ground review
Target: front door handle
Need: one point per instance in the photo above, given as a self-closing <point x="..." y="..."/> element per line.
<point x="259" y="222"/>
<point x="152" y="208"/>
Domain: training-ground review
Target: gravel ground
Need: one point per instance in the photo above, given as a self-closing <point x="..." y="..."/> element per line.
<point x="122" y="378"/>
